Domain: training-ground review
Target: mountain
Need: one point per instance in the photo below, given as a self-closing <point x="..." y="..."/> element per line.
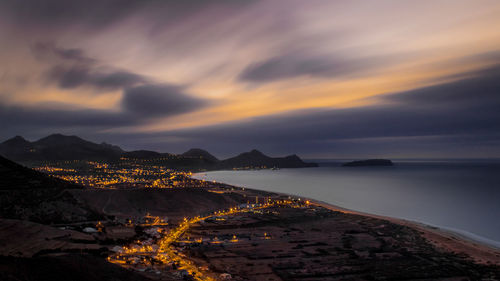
<point x="16" y="177"/>
<point x="16" y="148"/>
<point x="253" y="158"/>
<point x="256" y="158"/>
<point x="200" y="153"/>
<point x="369" y="162"/>
<point x="17" y="141"/>
<point x="26" y="194"/>
<point x="58" y="147"/>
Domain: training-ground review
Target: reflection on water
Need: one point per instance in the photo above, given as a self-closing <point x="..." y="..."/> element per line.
<point x="459" y="196"/>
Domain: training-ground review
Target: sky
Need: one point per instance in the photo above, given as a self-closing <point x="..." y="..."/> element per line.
<point x="322" y="79"/>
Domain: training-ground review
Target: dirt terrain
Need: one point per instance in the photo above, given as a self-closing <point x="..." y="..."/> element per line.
<point x="314" y="243"/>
<point x="174" y="202"/>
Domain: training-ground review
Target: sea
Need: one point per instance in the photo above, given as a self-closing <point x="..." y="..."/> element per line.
<point x="458" y="196"/>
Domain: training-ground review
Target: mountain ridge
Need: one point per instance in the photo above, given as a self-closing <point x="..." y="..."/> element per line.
<point x="58" y="147"/>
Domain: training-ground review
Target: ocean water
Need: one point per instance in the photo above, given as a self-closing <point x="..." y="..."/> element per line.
<point x="459" y="196"/>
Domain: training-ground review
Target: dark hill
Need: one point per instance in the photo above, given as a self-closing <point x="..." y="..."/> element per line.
<point x="61" y="147"/>
<point x="58" y="147"/>
<point x="17" y="141"/>
<point x="63" y="267"/>
<point x="26" y="194"/>
<point x="200" y="153"/>
<point x="61" y="140"/>
<point x="256" y="158"/>
<point x="369" y="162"/>
<point x="253" y="158"/>
<point x="15" y="177"/>
<point x="16" y="148"/>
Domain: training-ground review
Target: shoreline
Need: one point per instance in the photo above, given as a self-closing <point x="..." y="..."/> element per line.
<point x="441" y="238"/>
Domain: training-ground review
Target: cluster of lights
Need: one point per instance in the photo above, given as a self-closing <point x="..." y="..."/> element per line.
<point x="48" y="169"/>
<point x="163" y="252"/>
<point x="127" y="174"/>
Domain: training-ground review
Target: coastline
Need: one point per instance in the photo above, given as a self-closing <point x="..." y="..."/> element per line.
<point x="443" y="239"/>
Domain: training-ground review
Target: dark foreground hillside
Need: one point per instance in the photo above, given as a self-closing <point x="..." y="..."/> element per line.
<point x="26" y="194"/>
<point x="69" y="267"/>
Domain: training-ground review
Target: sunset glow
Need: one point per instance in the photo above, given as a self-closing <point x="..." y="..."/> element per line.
<point x="147" y="74"/>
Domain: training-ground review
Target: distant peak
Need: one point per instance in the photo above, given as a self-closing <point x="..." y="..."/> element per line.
<point x="195" y="150"/>
<point x="52" y="136"/>
<point x="198" y="152"/>
<point x="16" y="140"/>
<point x="253" y="153"/>
<point x="58" y="139"/>
<point x="58" y="136"/>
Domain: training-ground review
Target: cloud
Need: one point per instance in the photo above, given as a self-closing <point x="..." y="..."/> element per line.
<point x="189" y="42"/>
<point x="69" y="77"/>
<point x="72" y="68"/>
<point x="463" y="109"/>
<point x="56" y="12"/>
<point x="297" y="64"/>
<point x="22" y="120"/>
<point x="476" y="87"/>
<point x="49" y="50"/>
<point x="96" y="14"/>
<point x="140" y="104"/>
<point x="458" y="118"/>
<point x="159" y="100"/>
<point x="142" y="98"/>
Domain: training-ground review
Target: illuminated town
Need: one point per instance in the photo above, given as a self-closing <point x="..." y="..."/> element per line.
<point x="125" y="173"/>
<point x="163" y="248"/>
